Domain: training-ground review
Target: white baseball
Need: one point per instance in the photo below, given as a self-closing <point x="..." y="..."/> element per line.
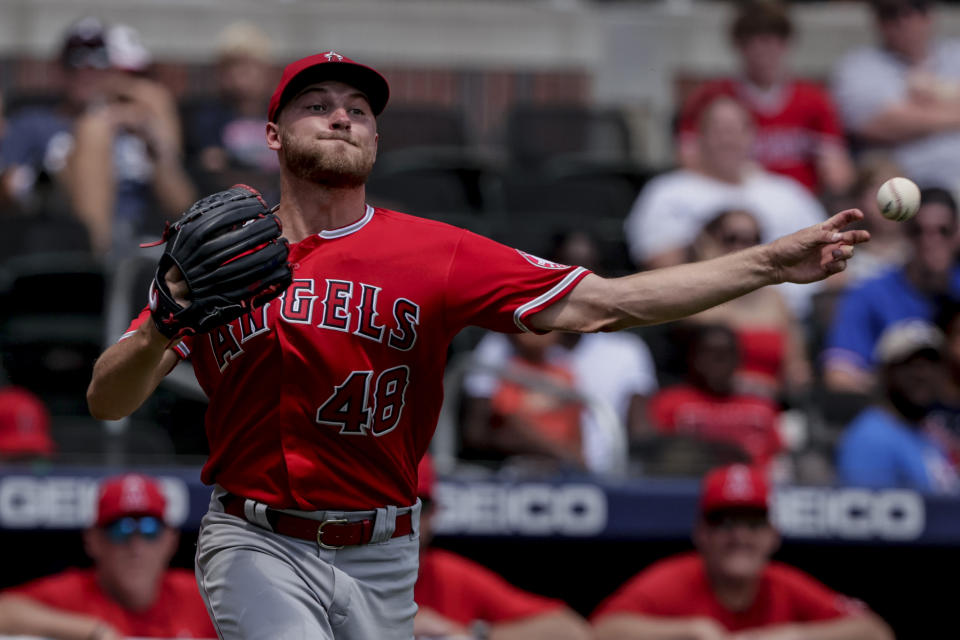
<point x="898" y="199"/>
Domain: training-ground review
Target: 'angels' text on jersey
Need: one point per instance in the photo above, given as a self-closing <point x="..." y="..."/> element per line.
<point x="337" y="305"/>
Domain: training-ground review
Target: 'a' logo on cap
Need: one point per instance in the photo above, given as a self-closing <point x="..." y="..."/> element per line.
<point x="134" y="494"/>
<point x="737" y="485"/>
<point x="330" y="55"/>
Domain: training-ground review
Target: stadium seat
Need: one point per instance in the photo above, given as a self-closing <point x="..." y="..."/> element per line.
<point x="84" y="440"/>
<point x="36" y="234"/>
<point x="535" y="134"/>
<point x="51" y="325"/>
<point x="595" y="193"/>
<point x="433" y="181"/>
<point x="410" y="126"/>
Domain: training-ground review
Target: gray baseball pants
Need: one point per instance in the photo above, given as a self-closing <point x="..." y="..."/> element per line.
<point x="259" y="585"/>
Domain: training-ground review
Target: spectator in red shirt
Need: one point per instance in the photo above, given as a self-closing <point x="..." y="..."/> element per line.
<point x="709" y="408"/>
<point x="798" y="131"/>
<point x="729" y="589"/>
<point x="459" y="599"/>
<point x="130" y="591"/>
<point x="24" y="426"/>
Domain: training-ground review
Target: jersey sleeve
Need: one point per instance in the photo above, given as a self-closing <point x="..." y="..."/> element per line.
<point x="182" y="348"/>
<point x="495" y="600"/>
<point x="637" y="596"/>
<point x="58" y="590"/>
<point x="497" y="287"/>
<point x="812" y="601"/>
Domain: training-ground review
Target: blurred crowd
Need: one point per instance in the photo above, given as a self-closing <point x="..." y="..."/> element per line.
<point x="855" y="381"/>
<point x="850" y="381"/>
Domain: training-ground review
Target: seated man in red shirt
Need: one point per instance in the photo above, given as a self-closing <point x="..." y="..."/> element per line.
<point x="130" y="591"/>
<point x="729" y="589"/>
<point x="459" y="599"/>
<point x="798" y="132"/>
<point x="709" y="408"/>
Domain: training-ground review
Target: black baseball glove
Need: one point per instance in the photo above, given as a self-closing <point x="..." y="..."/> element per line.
<point x="229" y="250"/>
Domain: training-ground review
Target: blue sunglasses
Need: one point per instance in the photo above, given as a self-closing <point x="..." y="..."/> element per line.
<point x="120" y="531"/>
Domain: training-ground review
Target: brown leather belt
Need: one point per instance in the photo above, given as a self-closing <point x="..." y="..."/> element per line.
<point x="329" y="534"/>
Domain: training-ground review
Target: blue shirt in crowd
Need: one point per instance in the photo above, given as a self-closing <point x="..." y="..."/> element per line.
<point x="868" y="308"/>
<point x="880" y="450"/>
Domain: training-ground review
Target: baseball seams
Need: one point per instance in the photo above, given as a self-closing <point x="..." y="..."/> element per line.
<point x="898" y="200"/>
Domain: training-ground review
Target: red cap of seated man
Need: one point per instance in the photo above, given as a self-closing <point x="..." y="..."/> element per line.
<point x="24" y="425"/>
<point x="426" y="478"/>
<point x="736" y="486"/>
<point x="329" y="66"/>
<point x="131" y="494"/>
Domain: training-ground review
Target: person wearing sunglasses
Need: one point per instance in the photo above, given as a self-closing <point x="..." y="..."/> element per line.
<point x="729" y="589"/>
<point x="891" y="443"/>
<point x="918" y="289"/>
<point x="774" y="361"/>
<point x="131" y="591"/>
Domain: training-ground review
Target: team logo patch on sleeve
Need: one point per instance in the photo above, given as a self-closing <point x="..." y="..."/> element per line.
<point x="540" y="262"/>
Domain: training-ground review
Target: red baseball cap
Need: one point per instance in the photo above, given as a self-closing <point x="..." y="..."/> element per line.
<point x="426" y="478"/>
<point x="131" y="494"/>
<point x="734" y="487"/>
<point x="329" y="66"/>
<point x="24" y="424"/>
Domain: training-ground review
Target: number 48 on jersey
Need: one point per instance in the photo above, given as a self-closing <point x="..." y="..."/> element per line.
<point x="359" y="407"/>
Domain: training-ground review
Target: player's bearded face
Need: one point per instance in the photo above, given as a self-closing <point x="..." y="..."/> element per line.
<point x="336" y="159"/>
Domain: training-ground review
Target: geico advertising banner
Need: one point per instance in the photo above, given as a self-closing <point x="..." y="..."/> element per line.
<point x="638" y="508"/>
<point x="668" y="510"/>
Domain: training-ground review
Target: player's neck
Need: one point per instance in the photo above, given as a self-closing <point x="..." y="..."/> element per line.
<point x="307" y="208"/>
<point x="735" y="595"/>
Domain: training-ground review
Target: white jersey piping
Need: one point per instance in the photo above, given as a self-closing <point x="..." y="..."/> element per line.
<point x="350" y="228"/>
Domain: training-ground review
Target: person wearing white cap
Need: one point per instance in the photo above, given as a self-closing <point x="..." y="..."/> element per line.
<point x="887" y="444"/>
<point x="110" y="149"/>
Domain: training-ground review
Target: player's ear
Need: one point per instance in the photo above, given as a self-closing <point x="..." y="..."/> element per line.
<point x="773" y="541"/>
<point x="273" y="136"/>
<point x="92" y="543"/>
<point x="170" y="542"/>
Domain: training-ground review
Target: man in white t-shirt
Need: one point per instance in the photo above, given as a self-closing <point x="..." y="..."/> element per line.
<point x="615" y="369"/>
<point x="903" y="95"/>
<point x="673" y="208"/>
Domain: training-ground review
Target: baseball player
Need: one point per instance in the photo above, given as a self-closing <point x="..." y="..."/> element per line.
<point x="324" y="399"/>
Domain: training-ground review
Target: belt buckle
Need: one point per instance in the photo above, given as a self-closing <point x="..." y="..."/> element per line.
<point x="331" y="547"/>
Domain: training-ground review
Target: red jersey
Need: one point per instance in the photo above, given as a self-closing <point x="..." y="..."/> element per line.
<point x="678" y="587"/>
<point x="792" y="122"/>
<point x="327" y="397"/>
<point x="178" y="612"/>
<point x="747" y="421"/>
<point x="464" y="591"/>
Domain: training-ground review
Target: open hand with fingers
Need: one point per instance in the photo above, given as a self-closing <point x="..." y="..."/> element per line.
<point x="819" y="251"/>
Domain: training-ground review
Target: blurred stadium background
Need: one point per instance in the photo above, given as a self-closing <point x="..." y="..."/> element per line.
<point x="517" y="119"/>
